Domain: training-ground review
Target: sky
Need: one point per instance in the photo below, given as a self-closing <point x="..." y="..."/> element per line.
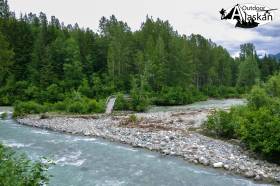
<point x="187" y="17"/>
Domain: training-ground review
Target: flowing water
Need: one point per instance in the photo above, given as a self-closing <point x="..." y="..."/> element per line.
<point x="211" y="103"/>
<point x="84" y="161"/>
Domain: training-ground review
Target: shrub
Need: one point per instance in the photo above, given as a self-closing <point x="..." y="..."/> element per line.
<point x="220" y="125"/>
<point x="30" y="107"/>
<point x="95" y="107"/>
<point x="258" y="97"/>
<point x="273" y="86"/>
<point x="173" y="96"/>
<point x="256" y="124"/>
<point x="260" y="130"/>
<point x="122" y="103"/>
<point x="139" y="102"/>
<point x="4" y="115"/>
<point x="221" y="92"/>
<point x="178" y="96"/>
<point x="77" y="107"/>
<point x="132" y="119"/>
<point x="60" y="106"/>
<point x="53" y="93"/>
<point x="18" y="170"/>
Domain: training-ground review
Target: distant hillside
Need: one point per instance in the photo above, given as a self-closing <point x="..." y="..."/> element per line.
<point x="277" y="56"/>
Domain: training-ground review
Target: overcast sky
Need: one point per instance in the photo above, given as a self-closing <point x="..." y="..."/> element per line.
<point x="195" y="16"/>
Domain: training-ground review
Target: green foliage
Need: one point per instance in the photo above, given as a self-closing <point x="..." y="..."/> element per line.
<point x="29" y="107"/>
<point x="44" y="61"/>
<point x="122" y="103"/>
<point x="258" y="98"/>
<point x="75" y="103"/>
<point x="249" y="72"/>
<point x="140" y="102"/>
<point x="18" y="170"/>
<point x="177" y="96"/>
<point x="6" y="58"/>
<point x="132" y="118"/>
<point x="77" y="107"/>
<point x="257" y="124"/>
<point x="273" y="86"/>
<point x="173" y="96"/>
<point x="220" y="124"/>
<point x="4" y="115"/>
<point x="221" y="92"/>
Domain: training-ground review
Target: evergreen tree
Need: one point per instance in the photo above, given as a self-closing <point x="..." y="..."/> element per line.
<point x="6" y="60"/>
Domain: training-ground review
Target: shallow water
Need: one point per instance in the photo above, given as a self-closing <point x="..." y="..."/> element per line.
<point x="211" y="103"/>
<point x="90" y="161"/>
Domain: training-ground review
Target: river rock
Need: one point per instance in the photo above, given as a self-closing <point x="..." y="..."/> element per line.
<point x="218" y="165"/>
<point x="249" y="174"/>
<point x="257" y="178"/>
<point x="226" y="167"/>
<point x="203" y="161"/>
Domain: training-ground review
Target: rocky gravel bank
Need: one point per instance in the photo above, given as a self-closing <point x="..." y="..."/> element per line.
<point x="172" y="133"/>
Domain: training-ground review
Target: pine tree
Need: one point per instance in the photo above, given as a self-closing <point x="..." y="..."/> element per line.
<point x="6" y="60"/>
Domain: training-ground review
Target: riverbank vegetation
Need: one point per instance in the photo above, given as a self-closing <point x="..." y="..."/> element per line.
<point x="18" y="170"/>
<point x="74" y="103"/>
<point x="257" y="124"/>
<point x="43" y="61"/>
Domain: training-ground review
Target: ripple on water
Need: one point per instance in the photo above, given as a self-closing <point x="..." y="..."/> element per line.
<point x="14" y="144"/>
<point x="111" y="182"/>
<point x="73" y="158"/>
<point x="126" y="148"/>
<point x="44" y="132"/>
<point x="82" y="139"/>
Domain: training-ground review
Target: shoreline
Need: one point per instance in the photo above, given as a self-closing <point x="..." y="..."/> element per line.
<point x="170" y="133"/>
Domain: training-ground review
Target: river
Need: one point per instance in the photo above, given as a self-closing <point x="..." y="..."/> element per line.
<point x="90" y="161"/>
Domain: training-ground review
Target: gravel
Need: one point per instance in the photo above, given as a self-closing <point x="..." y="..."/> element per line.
<point x="171" y="133"/>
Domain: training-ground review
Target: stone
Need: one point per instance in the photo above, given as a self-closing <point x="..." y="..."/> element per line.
<point x="203" y="161"/>
<point x="257" y="177"/>
<point x="218" y="165"/>
<point x="226" y="167"/>
<point x="249" y="174"/>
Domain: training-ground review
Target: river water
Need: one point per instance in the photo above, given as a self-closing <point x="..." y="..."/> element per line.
<point x="84" y="161"/>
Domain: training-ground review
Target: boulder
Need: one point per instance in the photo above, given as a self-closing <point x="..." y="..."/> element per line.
<point x="218" y="165"/>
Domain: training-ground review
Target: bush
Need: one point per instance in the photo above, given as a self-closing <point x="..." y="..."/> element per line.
<point x="139" y="102"/>
<point x="178" y="96"/>
<point x="30" y="107"/>
<point x="258" y="97"/>
<point x="173" y="96"/>
<point x="95" y="107"/>
<point x="133" y="118"/>
<point x="60" y="106"/>
<point x="18" y="170"/>
<point x="77" y="107"/>
<point x="221" y="92"/>
<point x="220" y="125"/>
<point x="4" y="115"/>
<point x="53" y="93"/>
<point x="256" y="124"/>
<point x="122" y="103"/>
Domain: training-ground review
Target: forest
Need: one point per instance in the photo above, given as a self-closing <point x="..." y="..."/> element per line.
<point x="48" y="66"/>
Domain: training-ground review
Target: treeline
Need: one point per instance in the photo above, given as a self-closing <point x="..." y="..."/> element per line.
<point x="48" y="62"/>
